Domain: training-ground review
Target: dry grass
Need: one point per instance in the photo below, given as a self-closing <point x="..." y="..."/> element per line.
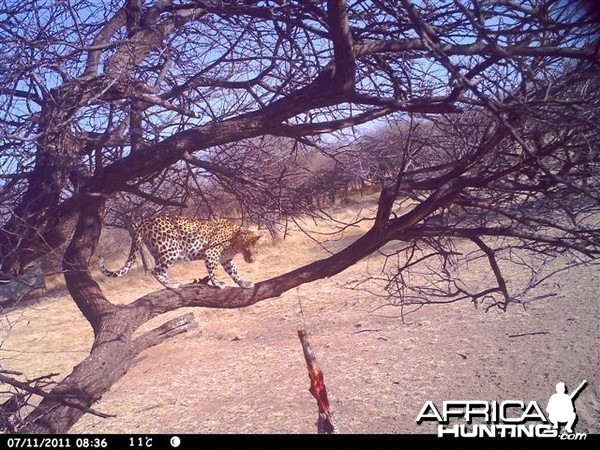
<point x="242" y="371"/>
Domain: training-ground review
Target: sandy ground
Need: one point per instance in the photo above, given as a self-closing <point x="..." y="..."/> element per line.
<point x="243" y="371"/>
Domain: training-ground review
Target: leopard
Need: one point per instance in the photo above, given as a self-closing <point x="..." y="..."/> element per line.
<point x="171" y="237"/>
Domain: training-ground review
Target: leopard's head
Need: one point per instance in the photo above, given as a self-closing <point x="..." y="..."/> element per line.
<point x="247" y="243"/>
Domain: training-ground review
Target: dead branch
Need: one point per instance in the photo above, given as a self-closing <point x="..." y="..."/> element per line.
<point x="49" y="395"/>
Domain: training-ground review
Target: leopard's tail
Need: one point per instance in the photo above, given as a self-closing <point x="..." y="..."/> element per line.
<point x="135" y="248"/>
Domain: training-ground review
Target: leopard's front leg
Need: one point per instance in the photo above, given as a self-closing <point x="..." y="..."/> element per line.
<point x="211" y="261"/>
<point x="231" y="270"/>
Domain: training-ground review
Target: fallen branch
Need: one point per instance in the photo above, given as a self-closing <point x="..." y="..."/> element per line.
<point x="528" y="334"/>
<point x="317" y="387"/>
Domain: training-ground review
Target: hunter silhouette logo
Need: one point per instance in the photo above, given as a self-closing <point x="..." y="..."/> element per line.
<point x="561" y="408"/>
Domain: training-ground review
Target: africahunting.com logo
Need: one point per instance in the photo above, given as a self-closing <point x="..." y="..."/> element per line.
<point x="508" y="418"/>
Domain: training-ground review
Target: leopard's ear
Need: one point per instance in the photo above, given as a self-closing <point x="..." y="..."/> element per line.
<point x="254" y="237"/>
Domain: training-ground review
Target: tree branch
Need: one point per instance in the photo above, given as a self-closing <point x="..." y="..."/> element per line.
<point x="51" y="396"/>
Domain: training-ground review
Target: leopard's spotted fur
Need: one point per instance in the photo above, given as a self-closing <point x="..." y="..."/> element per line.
<point x="170" y="238"/>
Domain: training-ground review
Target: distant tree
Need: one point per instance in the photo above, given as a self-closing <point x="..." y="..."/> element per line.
<point x="103" y="99"/>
